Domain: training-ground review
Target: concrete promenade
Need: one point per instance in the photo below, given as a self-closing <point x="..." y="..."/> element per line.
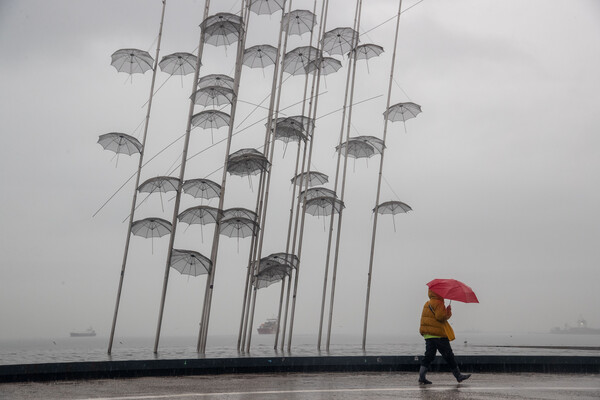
<point x="313" y="386"/>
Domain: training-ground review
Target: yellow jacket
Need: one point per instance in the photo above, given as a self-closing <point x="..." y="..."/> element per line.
<point x="432" y="322"/>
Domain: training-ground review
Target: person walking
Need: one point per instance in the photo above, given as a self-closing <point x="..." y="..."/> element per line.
<point x="437" y="333"/>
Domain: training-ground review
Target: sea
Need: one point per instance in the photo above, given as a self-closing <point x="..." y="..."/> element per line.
<point x="78" y="349"/>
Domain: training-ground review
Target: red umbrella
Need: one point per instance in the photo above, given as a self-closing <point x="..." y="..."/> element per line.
<point x="452" y="289"/>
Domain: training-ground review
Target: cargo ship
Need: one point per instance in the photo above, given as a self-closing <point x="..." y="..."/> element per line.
<point x="581" y="329"/>
<point x="89" y="332"/>
<point x="269" y="327"/>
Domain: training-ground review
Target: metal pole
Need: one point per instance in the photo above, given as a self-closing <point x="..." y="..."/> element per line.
<point x="181" y="176"/>
<point x="271" y="129"/>
<point x="385" y="124"/>
<point x="312" y="113"/>
<point x="335" y="187"/>
<point x="215" y="249"/>
<point x="137" y="180"/>
<point x="339" y="227"/>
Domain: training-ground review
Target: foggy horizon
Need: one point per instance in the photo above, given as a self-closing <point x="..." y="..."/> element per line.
<point x="501" y="169"/>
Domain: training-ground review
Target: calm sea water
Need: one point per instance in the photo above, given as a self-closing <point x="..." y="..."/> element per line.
<point x="69" y="349"/>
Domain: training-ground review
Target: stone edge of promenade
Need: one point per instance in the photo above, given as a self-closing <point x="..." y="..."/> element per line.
<point x="212" y="366"/>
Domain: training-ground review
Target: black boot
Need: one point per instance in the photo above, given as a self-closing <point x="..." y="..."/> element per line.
<point x="422" y="379"/>
<point x="460" y="377"/>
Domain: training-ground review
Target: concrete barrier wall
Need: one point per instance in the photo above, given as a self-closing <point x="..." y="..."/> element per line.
<point x="140" y="368"/>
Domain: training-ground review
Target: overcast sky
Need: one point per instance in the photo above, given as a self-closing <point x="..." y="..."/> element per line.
<point x="501" y="168"/>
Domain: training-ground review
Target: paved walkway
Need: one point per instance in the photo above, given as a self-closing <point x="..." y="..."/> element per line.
<point x="300" y="386"/>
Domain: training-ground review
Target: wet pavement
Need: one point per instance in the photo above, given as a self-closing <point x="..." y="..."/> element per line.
<point x="312" y="386"/>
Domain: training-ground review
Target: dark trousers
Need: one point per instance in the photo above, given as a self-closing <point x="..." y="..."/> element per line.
<point x="443" y="346"/>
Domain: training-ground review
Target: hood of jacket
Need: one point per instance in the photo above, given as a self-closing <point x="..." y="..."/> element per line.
<point x="434" y="296"/>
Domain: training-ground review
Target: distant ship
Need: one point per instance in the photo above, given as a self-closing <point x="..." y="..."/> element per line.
<point x="580" y="329"/>
<point x="87" y="333"/>
<point x="269" y="327"/>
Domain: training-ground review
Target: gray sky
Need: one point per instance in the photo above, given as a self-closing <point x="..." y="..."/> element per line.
<point x="501" y="168"/>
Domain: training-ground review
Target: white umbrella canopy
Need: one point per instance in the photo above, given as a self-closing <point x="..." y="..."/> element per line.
<point x="393" y="207"/>
<point x="356" y="149"/>
<point x="151" y="227"/>
<point x="222" y="33"/>
<point x="120" y="143"/>
<point x="298" y="22"/>
<point x="339" y="40"/>
<point x="189" y="262"/>
<point x="161" y="184"/>
<point x="202" y="188"/>
<point x="260" y="56"/>
<point x="262" y="7"/>
<point x="402" y="111"/>
<point x="327" y="65"/>
<point x="216" y="80"/>
<point x="213" y="96"/>
<point x="178" y="63"/>
<point x="313" y="192"/>
<point x="314" y="178"/>
<point x="237" y="212"/>
<point x="132" y="61"/>
<point x="323" y="206"/>
<point x="297" y="60"/>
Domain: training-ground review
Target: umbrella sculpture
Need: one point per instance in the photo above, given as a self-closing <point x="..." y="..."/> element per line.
<point x="211" y="119"/>
<point x="452" y="289"/>
<point x="366" y="52"/>
<point x="271" y="272"/>
<point x="160" y="184"/>
<point x="216" y="80"/>
<point x="202" y="188"/>
<point x="189" y="262"/>
<point x="299" y="22"/>
<point x="246" y="162"/>
<point x="288" y="134"/>
<point x="261" y="7"/>
<point x="274" y="268"/>
<point x="377" y="143"/>
<point x="393" y="207"/>
<point x="151" y="228"/>
<point x="178" y="63"/>
<point x="356" y="149"/>
<point x="238" y="212"/>
<point x="314" y="178"/>
<point x="299" y="122"/>
<point x="296" y="61"/>
<point x="324" y="205"/>
<point x="339" y="40"/>
<point x="132" y="61"/>
<point x="120" y="143"/>
<point x="222" y="33"/>
<point x="238" y="227"/>
<point x="260" y="56"/>
<point x="219" y="18"/>
<point x="285" y="258"/>
<point x="311" y="193"/>
<point x="213" y="96"/>
<point x="402" y="112"/>
<point x="200" y="215"/>
<point x="327" y="65"/>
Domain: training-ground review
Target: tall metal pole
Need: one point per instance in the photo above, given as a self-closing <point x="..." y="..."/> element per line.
<point x="335" y="188"/>
<point x="181" y="177"/>
<point x="339" y="227"/>
<point x="245" y="6"/>
<point x="137" y="180"/>
<point x="306" y="164"/>
<point x="385" y="124"/>
<point x="271" y="129"/>
<point x="252" y="265"/>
